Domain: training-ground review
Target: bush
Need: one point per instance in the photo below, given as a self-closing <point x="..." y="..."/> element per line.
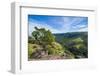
<point x="55" y="49"/>
<point x="33" y="48"/>
<point x="69" y="54"/>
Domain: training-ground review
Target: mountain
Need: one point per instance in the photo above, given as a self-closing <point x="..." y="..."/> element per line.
<point x="70" y="35"/>
<point x="75" y="42"/>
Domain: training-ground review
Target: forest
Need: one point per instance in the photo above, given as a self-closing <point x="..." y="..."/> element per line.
<point x="44" y="45"/>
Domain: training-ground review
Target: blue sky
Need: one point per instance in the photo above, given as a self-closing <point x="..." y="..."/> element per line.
<point x="58" y="24"/>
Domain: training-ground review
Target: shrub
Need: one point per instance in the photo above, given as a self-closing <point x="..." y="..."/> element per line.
<point x="33" y="48"/>
<point x="69" y="54"/>
<point x="55" y="49"/>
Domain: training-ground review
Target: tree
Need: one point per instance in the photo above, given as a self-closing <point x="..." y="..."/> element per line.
<point x="46" y="39"/>
<point x="43" y="36"/>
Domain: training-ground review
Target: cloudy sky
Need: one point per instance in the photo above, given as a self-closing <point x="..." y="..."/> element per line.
<point x="58" y="24"/>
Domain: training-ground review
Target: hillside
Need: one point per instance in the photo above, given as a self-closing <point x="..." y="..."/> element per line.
<point x="75" y="42"/>
<point x="43" y="45"/>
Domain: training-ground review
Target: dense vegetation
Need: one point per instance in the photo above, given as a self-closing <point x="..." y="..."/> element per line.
<point x="45" y="45"/>
<point x="75" y="42"/>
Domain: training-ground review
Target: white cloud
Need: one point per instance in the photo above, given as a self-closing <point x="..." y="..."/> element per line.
<point x="69" y="22"/>
<point x="79" y="26"/>
<point x="82" y="30"/>
<point x="41" y="25"/>
<point x="66" y="25"/>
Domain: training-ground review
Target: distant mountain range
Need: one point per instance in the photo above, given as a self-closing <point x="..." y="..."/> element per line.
<point x="70" y="35"/>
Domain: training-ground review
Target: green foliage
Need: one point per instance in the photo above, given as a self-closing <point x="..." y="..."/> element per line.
<point x="48" y="37"/>
<point x="30" y="40"/>
<point x="42" y="36"/>
<point x="76" y="43"/>
<point x="69" y="54"/>
<point x="77" y="40"/>
<point x="79" y="49"/>
<point x="33" y="48"/>
<point x="55" y="49"/>
<point x="44" y="44"/>
<point x="30" y="49"/>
